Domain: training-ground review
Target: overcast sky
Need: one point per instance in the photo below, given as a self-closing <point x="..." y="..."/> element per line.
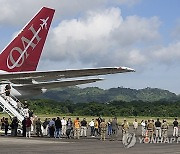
<point x="141" y="34"/>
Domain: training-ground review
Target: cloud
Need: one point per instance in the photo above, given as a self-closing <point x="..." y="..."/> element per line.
<point x="176" y="31"/>
<point x="135" y="29"/>
<point x="169" y="54"/>
<point x="102" y="38"/>
<point x="98" y="37"/>
<point x="18" y="12"/>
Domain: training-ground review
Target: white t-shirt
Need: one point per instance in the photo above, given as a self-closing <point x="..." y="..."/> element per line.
<point x="135" y="124"/>
<point x="143" y="124"/>
<point x="63" y="122"/>
<point x="26" y="112"/>
<point x="91" y="124"/>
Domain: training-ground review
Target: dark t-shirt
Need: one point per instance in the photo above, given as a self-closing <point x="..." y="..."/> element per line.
<point x="175" y="123"/>
<point x="7" y="87"/>
<point x="7" y="93"/>
<point x="158" y="124"/>
<point x="84" y="123"/>
<point x="58" y="124"/>
<point x="7" y="90"/>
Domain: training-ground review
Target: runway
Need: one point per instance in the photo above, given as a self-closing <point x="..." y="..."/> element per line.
<point x="85" y="145"/>
<point x="11" y="145"/>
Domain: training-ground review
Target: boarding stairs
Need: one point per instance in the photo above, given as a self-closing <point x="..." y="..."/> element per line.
<point x="11" y="107"/>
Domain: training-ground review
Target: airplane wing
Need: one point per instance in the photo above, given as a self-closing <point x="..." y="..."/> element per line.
<point x="25" y="77"/>
<point x="55" y="84"/>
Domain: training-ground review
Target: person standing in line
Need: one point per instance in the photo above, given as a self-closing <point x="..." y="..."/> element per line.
<point x="51" y="127"/>
<point x="14" y="126"/>
<point x="96" y="128"/>
<point x="2" y="123"/>
<point x="33" y="124"/>
<point x="158" y="128"/>
<point x="150" y="128"/>
<point x="28" y="127"/>
<point x="99" y="128"/>
<point x="6" y="125"/>
<point x="69" y="128"/>
<point x="103" y="127"/>
<point x="24" y="127"/>
<point x="91" y="124"/>
<point x="83" y="127"/>
<point x="77" y="128"/>
<point x="64" y="123"/>
<point x="45" y="126"/>
<point x="175" y="128"/>
<point x="143" y="128"/>
<point x="114" y="128"/>
<point x="58" y="127"/>
<point x="109" y="125"/>
<point x="38" y="127"/>
<point x="164" y="129"/>
<point x="125" y="127"/>
<point x="135" y="126"/>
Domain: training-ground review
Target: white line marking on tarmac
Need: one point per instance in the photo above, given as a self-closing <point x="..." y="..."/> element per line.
<point x="31" y="141"/>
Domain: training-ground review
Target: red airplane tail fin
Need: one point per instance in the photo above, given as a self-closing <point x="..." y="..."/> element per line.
<point x="23" y="53"/>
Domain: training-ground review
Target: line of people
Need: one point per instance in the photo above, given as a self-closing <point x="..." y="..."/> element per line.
<point x="158" y="129"/>
<point x="58" y="128"/>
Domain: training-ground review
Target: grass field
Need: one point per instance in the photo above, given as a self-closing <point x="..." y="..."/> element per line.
<point x="88" y="118"/>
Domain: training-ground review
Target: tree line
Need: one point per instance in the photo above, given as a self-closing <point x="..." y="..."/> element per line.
<point x="114" y="108"/>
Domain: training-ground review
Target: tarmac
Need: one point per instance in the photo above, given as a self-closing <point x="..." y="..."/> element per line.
<point x="86" y="145"/>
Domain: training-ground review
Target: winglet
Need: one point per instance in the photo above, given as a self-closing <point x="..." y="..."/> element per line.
<point x="127" y="69"/>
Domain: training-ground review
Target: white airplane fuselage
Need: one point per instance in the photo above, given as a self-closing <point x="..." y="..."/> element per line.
<point x="16" y="88"/>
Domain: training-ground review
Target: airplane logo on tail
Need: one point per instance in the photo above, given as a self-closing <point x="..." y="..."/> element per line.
<point x="11" y="62"/>
<point x="44" y="23"/>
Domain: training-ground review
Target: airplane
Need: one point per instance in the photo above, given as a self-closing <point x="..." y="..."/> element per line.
<point x="19" y="60"/>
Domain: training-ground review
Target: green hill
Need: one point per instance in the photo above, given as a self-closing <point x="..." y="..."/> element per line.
<point x="95" y="94"/>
